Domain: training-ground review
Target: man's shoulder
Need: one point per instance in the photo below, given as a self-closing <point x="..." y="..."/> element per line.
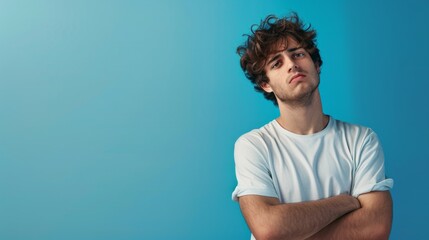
<point x="353" y="128"/>
<point x="259" y="135"/>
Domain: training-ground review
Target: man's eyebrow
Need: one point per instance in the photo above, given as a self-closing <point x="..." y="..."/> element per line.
<point x="293" y="49"/>
<point x="277" y="56"/>
<point x="274" y="58"/>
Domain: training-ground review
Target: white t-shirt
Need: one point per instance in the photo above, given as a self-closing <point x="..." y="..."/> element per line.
<point x="342" y="158"/>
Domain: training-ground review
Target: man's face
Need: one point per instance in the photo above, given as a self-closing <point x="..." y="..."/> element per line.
<point x="293" y="76"/>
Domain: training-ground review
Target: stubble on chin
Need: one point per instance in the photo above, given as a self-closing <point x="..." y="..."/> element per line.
<point x="301" y="99"/>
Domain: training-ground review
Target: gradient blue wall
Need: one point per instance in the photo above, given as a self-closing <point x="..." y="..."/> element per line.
<point x="390" y="84"/>
<point x="118" y="118"/>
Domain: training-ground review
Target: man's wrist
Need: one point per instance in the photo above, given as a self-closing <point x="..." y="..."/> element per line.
<point x="352" y="202"/>
<point x="356" y="202"/>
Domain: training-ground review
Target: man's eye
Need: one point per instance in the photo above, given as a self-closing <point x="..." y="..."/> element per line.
<point x="277" y="64"/>
<point x="299" y="55"/>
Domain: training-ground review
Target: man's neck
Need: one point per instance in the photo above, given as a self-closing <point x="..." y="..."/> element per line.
<point x="303" y="120"/>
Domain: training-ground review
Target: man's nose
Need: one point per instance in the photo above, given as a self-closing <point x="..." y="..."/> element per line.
<point x="293" y="67"/>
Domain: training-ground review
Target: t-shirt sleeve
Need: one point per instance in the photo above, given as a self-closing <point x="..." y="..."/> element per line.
<point x="370" y="175"/>
<point x="252" y="169"/>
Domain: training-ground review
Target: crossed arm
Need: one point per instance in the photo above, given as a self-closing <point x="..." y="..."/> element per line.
<point x="339" y="217"/>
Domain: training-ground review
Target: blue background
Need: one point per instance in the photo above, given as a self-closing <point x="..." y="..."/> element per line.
<point x="118" y="118"/>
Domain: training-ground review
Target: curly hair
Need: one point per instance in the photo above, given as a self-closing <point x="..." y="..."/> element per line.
<point x="264" y="41"/>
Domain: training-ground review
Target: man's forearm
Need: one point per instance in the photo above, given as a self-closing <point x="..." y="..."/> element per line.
<point x="294" y="220"/>
<point x="372" y="221"/>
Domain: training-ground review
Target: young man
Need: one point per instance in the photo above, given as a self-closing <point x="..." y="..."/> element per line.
<point x="305" y="175"/>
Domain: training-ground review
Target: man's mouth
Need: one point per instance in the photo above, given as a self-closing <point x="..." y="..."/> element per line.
<point x="296" y="77"/>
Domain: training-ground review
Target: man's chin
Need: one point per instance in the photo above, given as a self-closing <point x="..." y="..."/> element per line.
<point x="302" y="98"/>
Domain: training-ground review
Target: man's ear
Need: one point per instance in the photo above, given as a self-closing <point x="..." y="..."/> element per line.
<point x="266" y="87"/>
<point x="318" y="68"/>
